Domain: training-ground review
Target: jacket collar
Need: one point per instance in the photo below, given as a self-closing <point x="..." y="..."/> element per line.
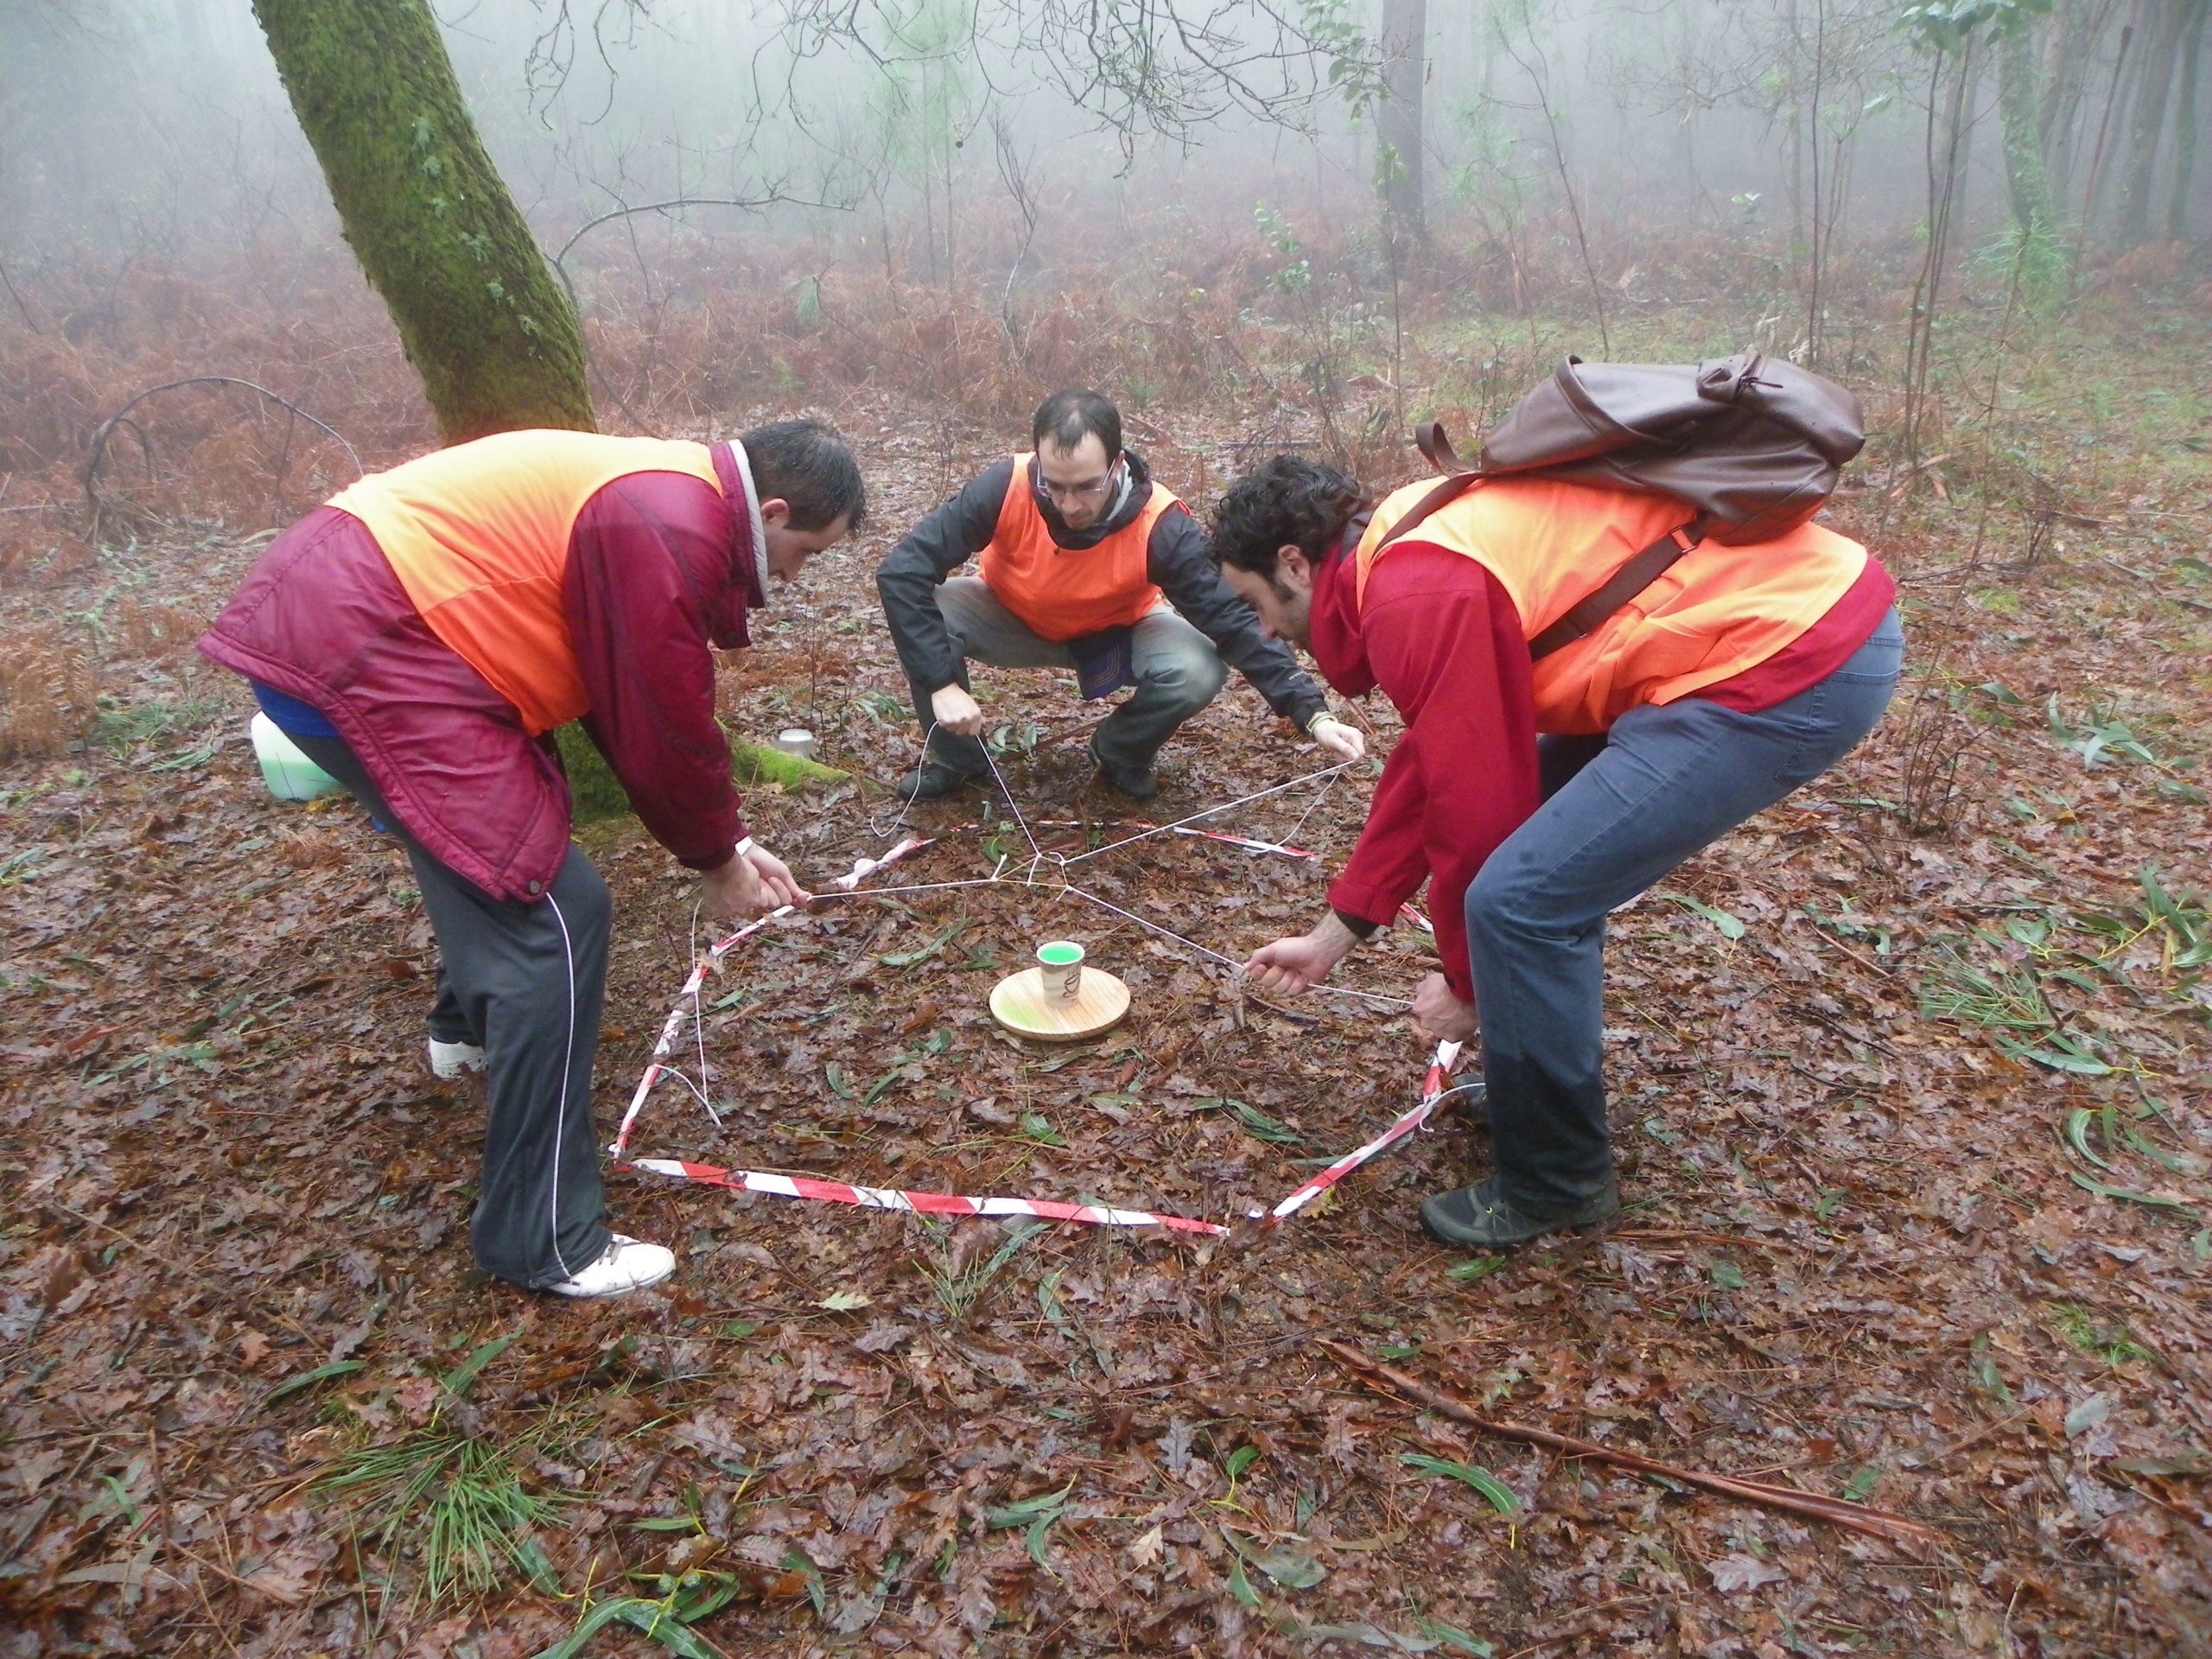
<point x="1339" y="644"/>
<point x="748" y="549"/>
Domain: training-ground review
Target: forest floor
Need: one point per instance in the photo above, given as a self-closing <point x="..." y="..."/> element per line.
<point x="1909" y="1083"/>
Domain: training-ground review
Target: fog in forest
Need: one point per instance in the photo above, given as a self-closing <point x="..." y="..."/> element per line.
<point x="1783" y="168"/>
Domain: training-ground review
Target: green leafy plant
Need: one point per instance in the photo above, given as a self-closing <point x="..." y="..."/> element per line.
<point x="453" y="1501"/>
<point x="687" y="1599"/>
<point x="2110" y="1341"/>
<point x="959" y="1286"/>
<point x="1253" y="1121"/>
<point x="2003" y="999"/>
<point x="1729" y="926"/>
<point x="1034" y="1516"/>
<point x="1494" y="1491"/>
<point x="449" y="1497"/>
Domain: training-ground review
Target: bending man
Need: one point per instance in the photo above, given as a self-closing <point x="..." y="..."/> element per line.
<point x="1741" y="673"/>
<point x="1082" y="554"/>
<point x="420" y="637"/>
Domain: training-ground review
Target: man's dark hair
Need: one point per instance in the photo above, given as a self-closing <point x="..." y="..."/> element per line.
<point x="1067" y="418"/>
<point x="1289" y="502"/>
<point x="807" y="464"/>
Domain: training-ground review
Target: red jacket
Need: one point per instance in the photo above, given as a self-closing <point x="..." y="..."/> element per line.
<point x="659" y="570"/>
<point x="1440" y="636"/>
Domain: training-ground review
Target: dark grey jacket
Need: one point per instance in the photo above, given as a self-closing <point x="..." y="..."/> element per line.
<point x="1177" y="562"/>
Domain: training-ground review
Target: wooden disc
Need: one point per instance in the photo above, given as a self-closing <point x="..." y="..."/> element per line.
<point x="1024" y="1005"/>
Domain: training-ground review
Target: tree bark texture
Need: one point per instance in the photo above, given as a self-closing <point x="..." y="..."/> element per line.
<point x="486" y="327"/>
<point x="2019" y="102"/>
<point x="1398" y="121"/>
<point x="2192" y="53"/>
<point x="2148" y="117"/>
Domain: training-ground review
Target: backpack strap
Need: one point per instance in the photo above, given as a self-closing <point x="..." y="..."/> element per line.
<point x="1589" y="614"/>
<point x="1458" y="478"/>
<point x="1436" y="449"/>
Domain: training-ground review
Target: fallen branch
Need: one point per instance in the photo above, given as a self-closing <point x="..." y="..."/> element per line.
<point x="1858" y="1517"/>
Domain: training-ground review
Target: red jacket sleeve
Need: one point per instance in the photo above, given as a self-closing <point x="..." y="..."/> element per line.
<point x="1443" y="641"/>
<point x="646" y="558"/>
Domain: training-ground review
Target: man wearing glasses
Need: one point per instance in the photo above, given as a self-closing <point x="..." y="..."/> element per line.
<point x="1088" y="564"/>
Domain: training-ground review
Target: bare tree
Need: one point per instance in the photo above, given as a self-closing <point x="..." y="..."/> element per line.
<point x="1398" y="117"/>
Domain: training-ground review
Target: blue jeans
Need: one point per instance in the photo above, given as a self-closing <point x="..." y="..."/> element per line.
<point x="1621" y="810"/>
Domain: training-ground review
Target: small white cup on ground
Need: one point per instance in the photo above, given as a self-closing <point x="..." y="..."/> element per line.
<point x="1060" y="963"/>
<point x="796" y="740"/>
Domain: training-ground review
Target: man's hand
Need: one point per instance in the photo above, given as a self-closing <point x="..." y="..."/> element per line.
<point x="751" y="884"/>
<point x="956" y="711"/>
<point x="1440" y="1015"/>
<point x="776" y="876"/>
<point x="1299" y="965"/>
<point x="1344" y="741"/>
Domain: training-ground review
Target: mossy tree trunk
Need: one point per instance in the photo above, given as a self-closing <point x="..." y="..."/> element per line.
<point x="484" y="322"/>
<point x="2038" y="262"/>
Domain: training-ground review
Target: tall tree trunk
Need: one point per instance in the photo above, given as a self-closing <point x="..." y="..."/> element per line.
<point x="1397" y="124"/>
<point x="484" y="322"/>
<point x="2192" y="52"/>
<point x="2148" y="119"/>
<point x="2020" y="103"/>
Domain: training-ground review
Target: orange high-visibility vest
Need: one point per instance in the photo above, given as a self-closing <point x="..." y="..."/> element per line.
<point x="479" y="537"/>
<point x="1716" y="612"/>
<point x="1064" y="593"/>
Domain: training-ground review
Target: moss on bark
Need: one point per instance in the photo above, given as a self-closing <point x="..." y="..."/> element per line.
<point x="486" y="327"/>
<point x="595" y="793"/>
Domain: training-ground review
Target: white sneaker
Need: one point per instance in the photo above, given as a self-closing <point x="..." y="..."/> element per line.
<point x="629" y="1264"/>
<point x="449" y="1060"/>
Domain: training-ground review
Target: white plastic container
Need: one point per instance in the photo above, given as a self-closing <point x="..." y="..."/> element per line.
<point x="289" y="773"/>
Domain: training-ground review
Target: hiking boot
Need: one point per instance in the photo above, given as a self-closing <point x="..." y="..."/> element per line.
<point x="629" y="1264"/>
<point x="933" y="780"/>
<point x="449" y="1060"/>
<point x="1138" y="783"/>
<point x="1477" y="1217"/>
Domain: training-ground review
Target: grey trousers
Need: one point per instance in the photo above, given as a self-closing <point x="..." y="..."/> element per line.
<point x="1179" y="672"/>
<point x="524" y="980"/>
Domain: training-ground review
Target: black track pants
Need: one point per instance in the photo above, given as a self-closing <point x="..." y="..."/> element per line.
<point x="526" y="980"/>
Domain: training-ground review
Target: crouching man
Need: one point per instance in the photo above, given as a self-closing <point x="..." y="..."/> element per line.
<point x="420" y="637"/>
<point x="1081" y="554"/>
<point x="1536" y="798"/>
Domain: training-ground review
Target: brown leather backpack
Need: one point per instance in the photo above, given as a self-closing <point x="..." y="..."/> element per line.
<point x="1752" y="446"/>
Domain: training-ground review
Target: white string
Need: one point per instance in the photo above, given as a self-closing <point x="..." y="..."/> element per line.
<point x="1230" y="962"/>
<point x="670" y="1071"/>
<point x="1036" y="853"/>
<point x="1320" y="795"/>
<point x="1242" y="800"/>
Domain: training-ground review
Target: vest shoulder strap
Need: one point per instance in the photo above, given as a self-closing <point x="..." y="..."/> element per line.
<point x="1588" y="613"/>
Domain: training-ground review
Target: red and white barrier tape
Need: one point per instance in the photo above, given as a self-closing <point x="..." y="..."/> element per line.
<point x="1433" y="1090"/>
<point x="926" y="1203"/>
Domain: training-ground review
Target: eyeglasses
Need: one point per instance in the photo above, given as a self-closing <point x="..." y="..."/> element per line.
<point x="1073" y="493"/>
